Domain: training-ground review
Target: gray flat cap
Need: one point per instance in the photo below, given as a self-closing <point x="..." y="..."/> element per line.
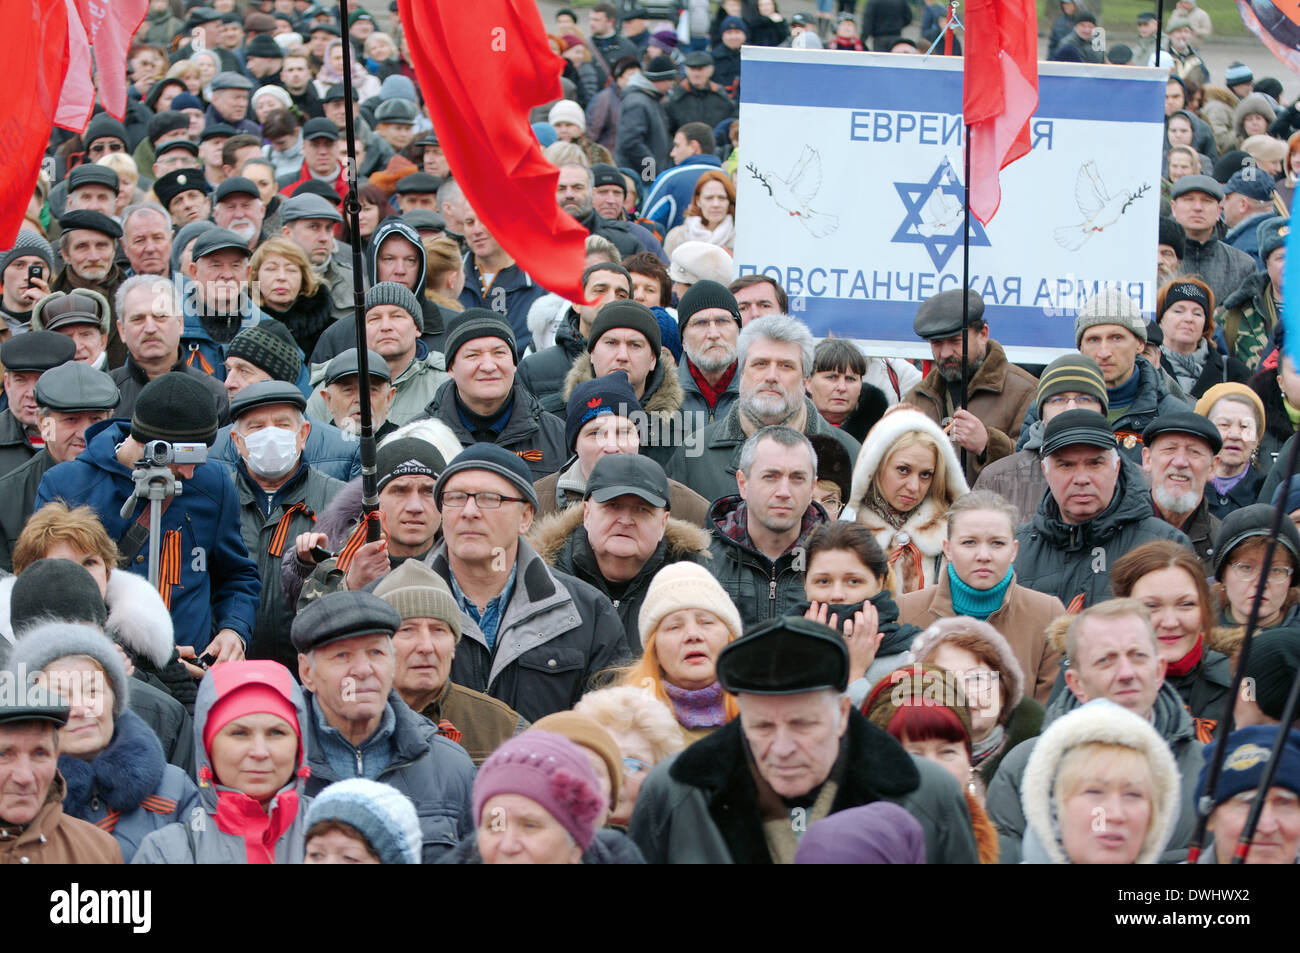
<point x="940" y="315"/>
<point x="75" y="387"/>
<point x="343" y="615"/>
<point x="308" y="205"/>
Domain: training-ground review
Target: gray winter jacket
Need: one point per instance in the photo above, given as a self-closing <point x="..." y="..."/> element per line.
<point x="708" y="462"/>
<point x="436" y="774"/>
<point x="1174" y="725"/>
<point x="642" y="143"/>
<point x="1068" y="560"/>
<point x="1223" y="267"/>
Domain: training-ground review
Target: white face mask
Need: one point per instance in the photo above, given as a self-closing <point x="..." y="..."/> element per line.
<point x="272" y="451"/>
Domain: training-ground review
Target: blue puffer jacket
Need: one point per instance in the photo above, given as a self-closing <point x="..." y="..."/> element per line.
<point x="436" y="774"/>
<point x="128" y="790"/>
<point x="199" y="349"/>
<point x="328" y="451"/>
<point x="218" y="584"/>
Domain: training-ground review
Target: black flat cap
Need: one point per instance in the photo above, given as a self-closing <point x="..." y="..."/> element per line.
<point x="73" y="386"/>
<point x="36" y="351"/>
<point x="329" y="28"/>
<point x="320" y="128"/>
<point x="202" y="15"/>
<point x="1250" y="522"/>
<point x="213" y="130"/>
<point x="940" y="315"/>
<point x="92" y="173"/>
<point x="173" y="144"/>
<point x="266" y="393"/>
<point x="307" y="205"/>
<point x="342" y="615"/>
<point x="345" y="365"/>
<point x="12" y="713"/>
<point x="785" y="656"/>
<point x="168" y="186"/>
<point x="698" y="58"/>
<point x="94" y="221"/>
<point x="419" y="183"/>
<point x="424" y="218"/>
<point x="430" y="138"/>
<point x="170" y="120"/>
<point x="1077" y="427"/>
<point x="336" y="93"/>
<point x="1184" y="422"/>
<point x="237" y="185"/>
<point x="218" y="239"/>
<point x="624" y="474"/>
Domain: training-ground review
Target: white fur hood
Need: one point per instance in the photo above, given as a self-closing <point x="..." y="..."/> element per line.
<point x="883" y="436"/>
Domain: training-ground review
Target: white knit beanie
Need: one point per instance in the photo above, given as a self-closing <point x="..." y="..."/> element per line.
<point x="566" y="110"/>
<point x="686" y="585"/>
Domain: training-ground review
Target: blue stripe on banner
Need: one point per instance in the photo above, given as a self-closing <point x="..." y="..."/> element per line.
<point x="1290" y="304"/>
<point x="892" y="320"/>
<point x="856" y="86"/>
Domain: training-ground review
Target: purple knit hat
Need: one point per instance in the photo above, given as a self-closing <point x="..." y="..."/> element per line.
<point x="551" y="770"/>
<point x="876" y="833"/>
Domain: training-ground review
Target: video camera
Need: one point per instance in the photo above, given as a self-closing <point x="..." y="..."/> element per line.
<point x="160" y="453"/>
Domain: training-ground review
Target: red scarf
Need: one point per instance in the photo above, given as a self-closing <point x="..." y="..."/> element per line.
<point x="1188" y="661"/>
<point x="711" y="394"/>
<point x="241" y="816"/>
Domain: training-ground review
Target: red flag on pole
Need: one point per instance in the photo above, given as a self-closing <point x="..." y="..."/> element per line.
<point x="1000" y="93"/>
<point x="77" y="100"/>
<point x="34" y="49"/>
<point x="110" y="24"/>
<point x="482" y="67"/>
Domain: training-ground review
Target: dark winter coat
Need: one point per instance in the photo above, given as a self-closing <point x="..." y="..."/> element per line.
<point x="1202" y="528"/>
<point x="883" y="21"/>
<point x="555" y="635"/>
<point x="726" y="69"/>
<point x="128" y="789"/>
<point x="436" y="774"/>
<point x="15" y="449"/>
<point x="708" y="463"/>
<point x="543" y="372"/>
<point x="618" y="232"/>
<point x="562" y="541"/>
<point x="1218" y="370"/>
<point x="701" y="806"/>
<point x="328" y="451"/>
<point x="307" y="316"/>
<point x="1222" y="267"/>
<point x="760" y="587"/>
<point x="533" y="434"/>
<point x="130" y="379"/>
<point x="1278" y="429"/>
<point x="218" y="585"/>
<point x="511" y="294"/>
<point x="1206" y="690"/>
<point x="643" y="141"/>
<point x="683" y="502"/>
<point x="709" y="105"/>
<point x="1072" y="561"/>
<point x="17" y="500"/>
<point x="267" y="537"/>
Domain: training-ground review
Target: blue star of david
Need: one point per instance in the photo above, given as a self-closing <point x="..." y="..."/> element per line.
<point x="914" y="196"/>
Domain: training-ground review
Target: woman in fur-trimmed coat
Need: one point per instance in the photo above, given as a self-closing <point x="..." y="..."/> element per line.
<point x="906" y="477"/>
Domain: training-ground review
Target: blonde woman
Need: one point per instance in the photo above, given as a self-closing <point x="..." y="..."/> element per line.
<point x="285" y="288"/>
<point x="645" y="731"/>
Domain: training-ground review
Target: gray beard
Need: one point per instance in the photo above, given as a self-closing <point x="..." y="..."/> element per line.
<point x="711" y="365"/>
<point x="971" y="368"/>
<point x="769" y="411"/>
<point x="1179" y="503"/>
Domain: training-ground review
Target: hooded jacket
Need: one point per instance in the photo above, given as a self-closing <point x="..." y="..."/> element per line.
<point x="544" y="372"/>
<point x="708" y="462"/>
<point x="1249" y="315"/>
<point x="436" y="774"/>
<point x="1099" y="721"/>
<point x="642" y="142"/>
<point x="661" y="402"/>
<point x="998" y="393"/>
<point x="562" y="542"/>
<point x="227" y="826"/>
<point x="216" y="585"/>
<point x="128" y="790"/>
<point x="533" y="434"/>
<point x="1172" y="723"/>
<point x="342" y="334"/>
<point x="701" y="805"/>
<point x="54" y="837"/>
<point x="555" y="634"/>
<point x="760" y="587"/>
<point x="1072" y="560"/>
<point x="918" y="559"/>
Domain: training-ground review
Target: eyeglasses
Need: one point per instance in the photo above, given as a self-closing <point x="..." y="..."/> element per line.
<point x="484" y="500"/>
<point x="100" y="148"/>
<point x="1080" y="400"/>
<point x="706" y="323"/>
<point x="634" y="766"/>
<point x="1249" y="572"/>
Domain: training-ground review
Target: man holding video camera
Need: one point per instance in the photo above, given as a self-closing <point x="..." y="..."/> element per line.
<point x="205" y="578"/>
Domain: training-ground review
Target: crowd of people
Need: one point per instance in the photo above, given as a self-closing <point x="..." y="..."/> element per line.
<point x="659" y="576"/>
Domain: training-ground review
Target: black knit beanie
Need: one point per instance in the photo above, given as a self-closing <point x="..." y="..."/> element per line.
<point x="702" y="296"/>
<point x="175" y="408"/>
<point x="478" y="323"/>
<point x="626" y="314"/>
<point x="1173" y="235"/>
<point x="270" y="346"/>
<point x="51" y="589"/>
<point x="408" y="456"/>
<point x="392" y="293"/>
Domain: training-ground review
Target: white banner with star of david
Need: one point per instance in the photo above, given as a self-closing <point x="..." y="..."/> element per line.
<point x="850" y="195"/>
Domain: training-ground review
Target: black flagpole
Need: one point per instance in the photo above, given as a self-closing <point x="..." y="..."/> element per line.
<point x="1205" y="804"/>
<point x="1270" y="771"/>
<point x="1160" y="28"/>
<point x="352" y="208"/>
<point x="965" y="282"/>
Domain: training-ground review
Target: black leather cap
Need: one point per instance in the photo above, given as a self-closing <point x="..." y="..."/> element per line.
<point x="785" y="656"/>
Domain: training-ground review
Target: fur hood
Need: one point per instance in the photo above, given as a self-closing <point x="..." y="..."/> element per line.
<point x="137" y="617"/>
<point x="1099" y="721"/>
<point x="1254" y="103"/>
<point x="1220" y="94"/>
<point x="883" y="436"/>
<point x="682" y="540"/>
<point x="1226" y="637"/>
<point x="664" y="394"/>
<point x="544" y="317"/>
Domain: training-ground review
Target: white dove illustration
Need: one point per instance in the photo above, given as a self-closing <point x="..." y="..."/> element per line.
<point x="795" y="193"/>
<point x="941" y="213"/>
<point x="1100" y="209"/>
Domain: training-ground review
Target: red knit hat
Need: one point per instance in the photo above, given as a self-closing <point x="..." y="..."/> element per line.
<point x="246" y="688"/>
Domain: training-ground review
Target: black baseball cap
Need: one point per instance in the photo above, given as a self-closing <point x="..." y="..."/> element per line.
<point x="621" y="474"/>
<point x="218" y="239"/>
<point x="320" y="128"/>
<point x="1077" y="427"/>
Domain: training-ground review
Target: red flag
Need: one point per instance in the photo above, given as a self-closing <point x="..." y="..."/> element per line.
<point x="77" y="101"/>
<point x="482" y="67"/>
<point x="1000" y="93"/>
<point x="34" y="49"/>
<point x="110" y="24"/>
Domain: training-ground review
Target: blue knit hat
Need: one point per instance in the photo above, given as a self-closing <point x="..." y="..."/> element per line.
<point x="1243" y="766"/>
<point x="384" y="816"/>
